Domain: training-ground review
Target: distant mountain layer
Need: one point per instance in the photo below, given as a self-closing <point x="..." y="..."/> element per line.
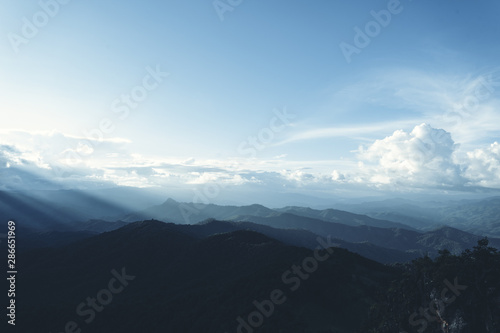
<point x="190" y="213"/>
<point x="348" y="227"/>
<point x="481" y="217"/>
<point x="379" y="244"/>
<point x="57" y="213"/>
<point x="339" y="216"/>
<point x="429" y="242"/>
<point x="59" y="210"/>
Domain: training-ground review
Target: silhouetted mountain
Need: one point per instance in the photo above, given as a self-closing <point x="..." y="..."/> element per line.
<point x="100" y="225"/>
<point x="28" y="239"/>
<point x="452" y="294"/>
<point x="301" y="238"/>
<point x="339" y="216"/>
<point x="210" y="227"/>
<point x="36" y="213"/>
<point x="353" y="229"/>
<point x="59" y="210"/>
<point x="191" y="213"/>
<point x="394" y="238"/>
<point x="164" y="280"/>
<point x="366" y="242"/>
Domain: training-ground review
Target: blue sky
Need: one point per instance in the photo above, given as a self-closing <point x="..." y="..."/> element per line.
<point x="353" y="123"/>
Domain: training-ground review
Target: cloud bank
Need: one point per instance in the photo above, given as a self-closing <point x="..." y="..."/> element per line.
<point x="419" y="159"/>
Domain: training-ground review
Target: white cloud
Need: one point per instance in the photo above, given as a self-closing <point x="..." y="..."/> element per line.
<point x="483" y="167"/>
<point x="337" y="176"/>
<point x="298" y="176"/>
<point x="422" y="157"/>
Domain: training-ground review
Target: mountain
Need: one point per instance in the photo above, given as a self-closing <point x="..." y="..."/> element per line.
<point x="339" y="216"/>
<point x="301" y="238"/>
<point x="147" y="277"/>
<point x="62" y="209"/>
<point x="99" y="226"/>
<point x="29" y="239"/>
<point x="419" y="223"/>
<point x="418" y="215"/>
<point x="210" y="227"/>
<point x="481" y="217"/>
<point x="347" y="227"/>
<point x="452" y="293"/>
<point x="190" y="213"/>
<point x="394" y="238"/>
<point x="379" y="244"/>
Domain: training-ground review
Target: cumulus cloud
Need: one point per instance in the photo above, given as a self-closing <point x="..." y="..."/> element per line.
<point x="483" y="166"/>
<point x="422" y="157"/>
<point x="298" y="177"/>
<point x="337" y="176"/>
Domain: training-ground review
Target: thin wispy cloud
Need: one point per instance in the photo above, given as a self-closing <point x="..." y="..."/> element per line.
<point x="361" y="130"/>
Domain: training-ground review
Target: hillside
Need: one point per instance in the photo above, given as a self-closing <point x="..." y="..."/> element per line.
<point x="453" y="294"/>
<point x="185" y="284"/>
<point x="398" y="239"/>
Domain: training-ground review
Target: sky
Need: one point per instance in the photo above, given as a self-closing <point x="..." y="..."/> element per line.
<point x="324" y="98"/>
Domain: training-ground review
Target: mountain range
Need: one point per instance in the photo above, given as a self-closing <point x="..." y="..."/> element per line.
<point x="182" y="283"/>
<point x="187" y="267"/>
<point x="350" y="228"/>
<point x="221" y="276"/>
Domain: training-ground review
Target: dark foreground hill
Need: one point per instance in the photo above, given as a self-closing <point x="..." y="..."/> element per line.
<point x="29" y="239"/>
<point x="147" y="277"/>
<point x="295" y="237"/>
<point x="451" y="294"/>
<point x="156" y="277"/>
